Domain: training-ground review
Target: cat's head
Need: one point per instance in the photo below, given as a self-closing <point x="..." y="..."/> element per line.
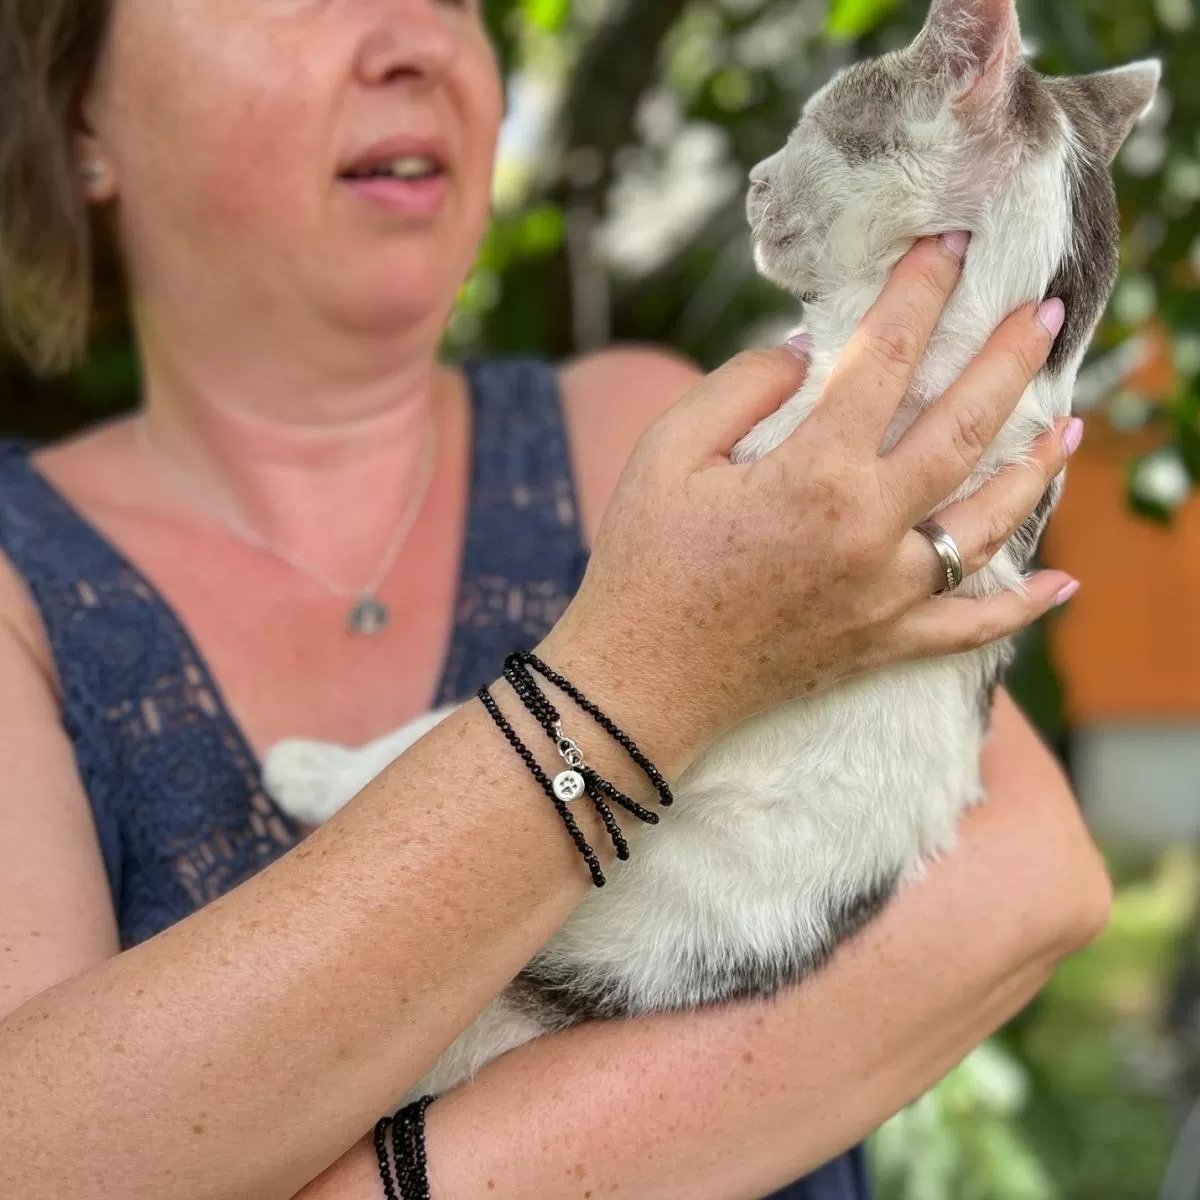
<point x="924" y="140"/>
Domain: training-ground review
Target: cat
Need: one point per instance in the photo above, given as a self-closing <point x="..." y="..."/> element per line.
<point x="796" y="829"/>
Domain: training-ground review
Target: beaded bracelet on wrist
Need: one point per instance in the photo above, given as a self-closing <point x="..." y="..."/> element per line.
<point x="595" y="785"/>
<point x="578" y="779"/>
<point x="666" y="797"/>
<point x="526" y="756"/>
<point x="400" y="1151"/>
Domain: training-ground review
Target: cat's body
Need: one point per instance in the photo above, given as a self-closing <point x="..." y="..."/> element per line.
<point x="795" y="829"/>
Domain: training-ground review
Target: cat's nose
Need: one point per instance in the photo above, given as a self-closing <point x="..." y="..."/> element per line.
<point x="762" y="172"/>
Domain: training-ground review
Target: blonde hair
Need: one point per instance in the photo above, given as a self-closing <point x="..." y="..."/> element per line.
<point x="48" y="51"/>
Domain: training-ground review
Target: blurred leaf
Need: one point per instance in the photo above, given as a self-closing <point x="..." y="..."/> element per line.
<point x="851" y="19"/>
<point x="542" y="230"/>
<point x="547" y="15"/>
<point x="110" y="379"/>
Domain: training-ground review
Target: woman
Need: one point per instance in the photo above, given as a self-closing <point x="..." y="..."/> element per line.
<point x="180" y="1018"/>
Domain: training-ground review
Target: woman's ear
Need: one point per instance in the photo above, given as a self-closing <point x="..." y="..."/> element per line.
<point x="93" y="161"/>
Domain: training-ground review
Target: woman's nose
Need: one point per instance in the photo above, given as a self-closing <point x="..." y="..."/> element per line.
<point x="407" y="39"/>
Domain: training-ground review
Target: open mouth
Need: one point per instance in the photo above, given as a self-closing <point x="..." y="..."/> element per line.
<point x="411" y="168"/>
<point x="407" y="176"/>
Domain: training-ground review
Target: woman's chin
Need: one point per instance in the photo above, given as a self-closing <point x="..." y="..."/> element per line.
<point x="399" y="293"/>
<point x="391" y="310"/>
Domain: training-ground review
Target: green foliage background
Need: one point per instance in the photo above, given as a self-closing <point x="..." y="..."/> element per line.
<point x="1081" y="1097"/>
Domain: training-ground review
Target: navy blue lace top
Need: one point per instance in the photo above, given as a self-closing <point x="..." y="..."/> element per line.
<point x="173" y="783"/>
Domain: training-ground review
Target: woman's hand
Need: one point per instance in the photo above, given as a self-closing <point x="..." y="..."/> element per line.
<point x="728" y="589"/>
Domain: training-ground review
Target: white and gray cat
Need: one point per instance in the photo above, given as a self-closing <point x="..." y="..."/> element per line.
<point x="797" y="828"/>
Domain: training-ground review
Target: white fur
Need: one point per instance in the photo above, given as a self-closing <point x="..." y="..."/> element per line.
<point x="807" y="807"/>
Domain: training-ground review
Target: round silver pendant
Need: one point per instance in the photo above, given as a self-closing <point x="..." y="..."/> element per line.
<point x="569" y="785"/>
<point x="368" y="617"/>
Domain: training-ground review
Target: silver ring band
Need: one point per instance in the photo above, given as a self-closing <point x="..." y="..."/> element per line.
<point x="948" y="554"/>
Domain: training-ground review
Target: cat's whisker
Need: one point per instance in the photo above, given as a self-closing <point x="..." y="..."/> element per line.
<point x="762" y="220"/>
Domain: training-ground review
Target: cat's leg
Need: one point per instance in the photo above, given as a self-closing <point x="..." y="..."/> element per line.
<point x="502" y="1026"/>
<point x="773" y="431"/>
<point x="313" y="780"/>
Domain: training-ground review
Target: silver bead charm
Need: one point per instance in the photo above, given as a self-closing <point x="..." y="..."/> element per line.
<point x="569" y="786"/>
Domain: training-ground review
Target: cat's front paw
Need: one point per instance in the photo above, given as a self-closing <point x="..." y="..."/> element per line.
<point x="307" y="779"/>
<point x="770" y="433"/>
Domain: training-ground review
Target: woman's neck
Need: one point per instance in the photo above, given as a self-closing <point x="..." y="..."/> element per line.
<point x="324" y="468"/>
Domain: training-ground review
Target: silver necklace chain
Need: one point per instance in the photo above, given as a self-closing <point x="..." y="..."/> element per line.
<point x="368" y="615"/>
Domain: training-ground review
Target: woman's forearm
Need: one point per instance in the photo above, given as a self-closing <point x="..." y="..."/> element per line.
<point x="553" y="1120"/>
<point x="242" y="1051"/>
<point x="732" y="1103"/>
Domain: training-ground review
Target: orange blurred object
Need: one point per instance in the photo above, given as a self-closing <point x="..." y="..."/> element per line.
<point x="1128" y="647"/>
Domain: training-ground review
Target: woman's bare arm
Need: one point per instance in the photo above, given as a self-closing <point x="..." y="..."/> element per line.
<point x="733" y="1103"/>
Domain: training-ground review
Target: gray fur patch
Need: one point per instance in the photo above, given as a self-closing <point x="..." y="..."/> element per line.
<point x="1086" y="276"/>
<point x="559" y="999"/>
<point x="861" y="112"/>
<point x="987" y="698"/>
<point x="1024" y="543"/>
<point x="1032" y="111"/>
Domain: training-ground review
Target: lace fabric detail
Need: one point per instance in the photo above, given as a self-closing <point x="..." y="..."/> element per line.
<point x="174" y="785"/>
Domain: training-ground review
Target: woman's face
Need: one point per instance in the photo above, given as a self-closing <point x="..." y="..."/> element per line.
<point x="332" y="154"/>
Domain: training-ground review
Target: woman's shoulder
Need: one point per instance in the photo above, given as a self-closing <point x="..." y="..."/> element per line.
<point x="21" y="629"/>
<point x="19" y="620"/>
<point x="609" y="399"/>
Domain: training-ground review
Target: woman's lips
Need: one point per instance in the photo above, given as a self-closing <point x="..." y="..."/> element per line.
<point x="408" y="197"/>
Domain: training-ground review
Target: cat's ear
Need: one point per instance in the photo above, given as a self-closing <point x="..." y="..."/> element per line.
<point x="976" y="44"/>
<point x="1116" y="100"/>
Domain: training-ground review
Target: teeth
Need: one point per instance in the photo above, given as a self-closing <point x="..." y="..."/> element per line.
<point x="412" y="167"/>
<point x="409" y="166"/>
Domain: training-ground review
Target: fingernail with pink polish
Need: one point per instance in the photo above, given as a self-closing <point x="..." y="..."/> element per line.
<point x="1053" y="315"/>
<point x="801" y="345"/>
<point x="1067" y="594"/>
<point x="956" y="243"/>
<point x="1073" y="436"/>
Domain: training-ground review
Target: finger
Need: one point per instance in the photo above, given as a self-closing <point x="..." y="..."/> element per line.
<point x="725" y="406"/>
<point x="877" y="367"/>
<point x="947" y="443"/>
<point x="1018" y="501"/>
<point x="951" y="625"/>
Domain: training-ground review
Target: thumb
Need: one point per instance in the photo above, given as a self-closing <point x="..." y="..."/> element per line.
<point x="725" y="406"/>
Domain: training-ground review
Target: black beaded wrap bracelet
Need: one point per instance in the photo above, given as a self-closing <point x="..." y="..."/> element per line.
<point x="595" y="786"/>
<point x="526" y="660"/>
<point x="578" y="779"/>
<point x="400" y="1149"/>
